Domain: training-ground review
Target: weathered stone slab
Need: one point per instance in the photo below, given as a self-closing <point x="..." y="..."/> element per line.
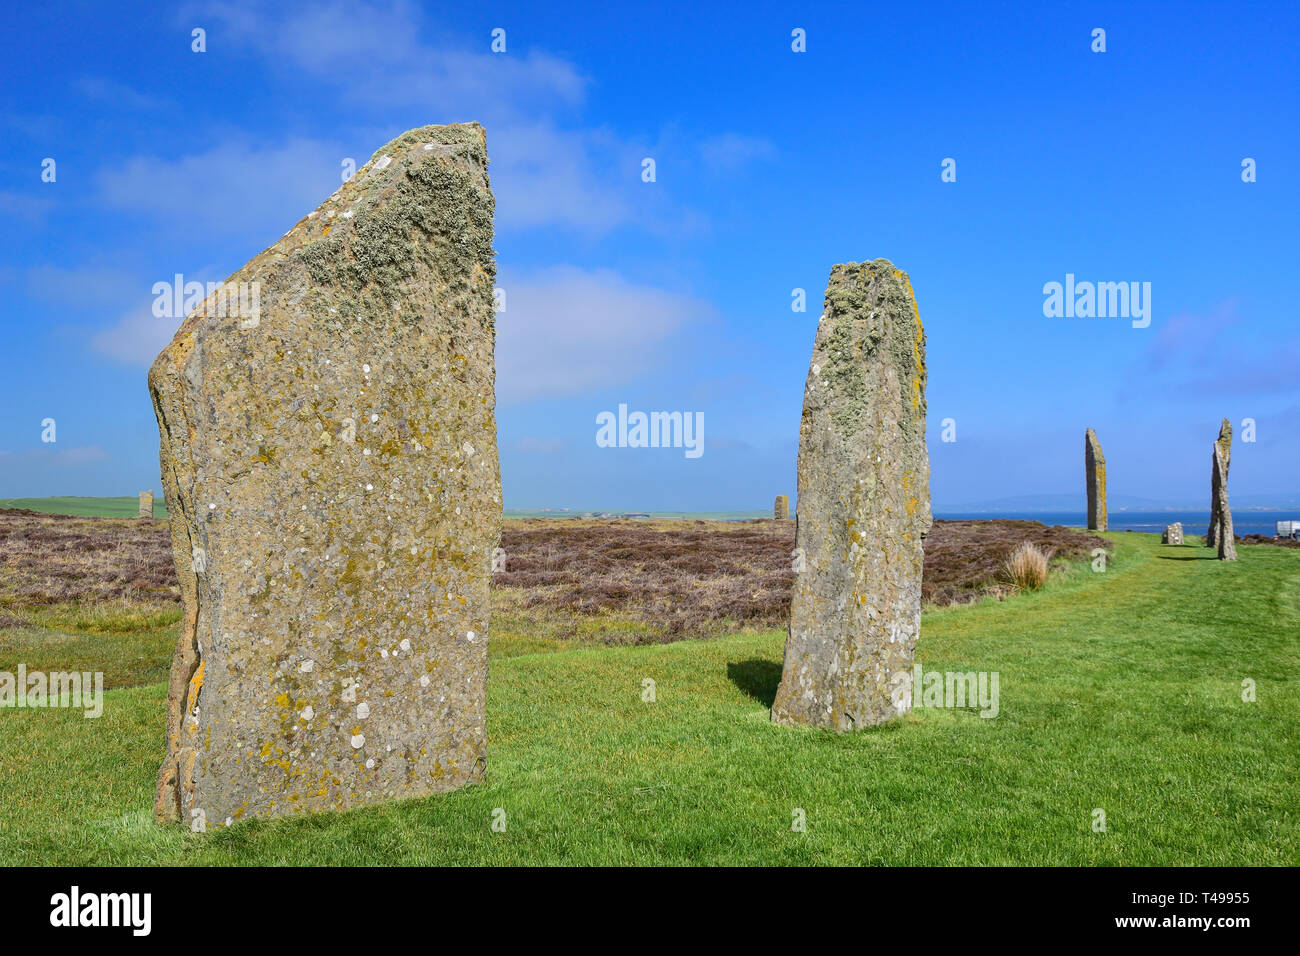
<point x="781" y="509"/>
<point x="1222" y="446"/>
<point x="1227" y="540"/>
<point x="1094" y="463"/>
<point x="863" y="507"/>
<point x="146" y="504"/>
<point x="1173" y="534"/>
<point x="330" y="467"/>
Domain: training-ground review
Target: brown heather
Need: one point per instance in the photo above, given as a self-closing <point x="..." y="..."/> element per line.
<point x="672" y="579"/>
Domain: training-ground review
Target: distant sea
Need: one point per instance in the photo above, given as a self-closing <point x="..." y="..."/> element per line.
<point x="1194" y="522"/>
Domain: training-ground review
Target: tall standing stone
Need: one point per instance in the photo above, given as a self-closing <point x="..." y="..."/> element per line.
<point x="330" y="465"/>
<point x="1222" y="446"/>
<point x="146" y="504"/>
<point x="1094" y="463"/>
<point x="1173" y="534"/>
<point x="1227" y="540"/>
<point x="863" y="507"/>
<point x="781" y="509"/>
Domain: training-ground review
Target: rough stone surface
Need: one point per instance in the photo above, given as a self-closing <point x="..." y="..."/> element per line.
<point x="331" y="474"/>
<point x="863" y="507"/>
<point x="1094" y="463"/>
<point x="1227" y="541"/>
<point x="146" y="504"/>
<point x="781" y="510"/>
<point x="1173" y="534"/>
<point x="1223" y="446"/>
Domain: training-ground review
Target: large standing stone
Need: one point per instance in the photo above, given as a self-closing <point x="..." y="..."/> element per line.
<point x="330" y="465"/>
<point x="146" y="504"/>
<point x="1173" y="534"/>
<point x="1094" y="463"/>
<point x="781" y="509"/>
<point x="1227" y="540"/>
<point x="863" y="508"/>
<point x="1222" y="446"/>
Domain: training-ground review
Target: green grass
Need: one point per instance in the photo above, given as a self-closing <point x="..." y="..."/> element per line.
<point x="88" y="507"/>
<point x="1119" y="691"/>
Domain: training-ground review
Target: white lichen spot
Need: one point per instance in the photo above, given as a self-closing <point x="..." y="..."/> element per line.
<point x="383" y="162"/>
<point x="308" y="713"/>
<point x="470" y="637"/>
<point x="424" y="680"/>
<point x="358" y="741"/>
<point x="374" y="418"/>
<point x="406" y="644"/>
<point x="468" y="449"/>
<point x="370" y="764"/>
<point x="363" y="710"/>
<point x="306" y="666"/>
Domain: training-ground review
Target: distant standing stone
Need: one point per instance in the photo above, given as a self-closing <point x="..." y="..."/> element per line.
<point x="1227" y="541"/>
<point x="146" y="504"/>
<point x="1222" y="446"/>
<point x="1173" y="534"/>
<point x="863" y="507"/>
<point x="781" y="510"/>
<point x="329" y="457"/>
<point x="1094" y="463"/>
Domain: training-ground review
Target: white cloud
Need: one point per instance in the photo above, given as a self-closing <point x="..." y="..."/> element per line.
<point x="232" y="189"/>
<point x="566" y="331"/>
<point x="86" y="287"/>
<point x="542" y="176"/>
<point x="730" y="151"/>
<point x="375" y="54"/>
<point x="102" y="89"/>
<point x="137" y="338"/>
<point x="31" y="208"/>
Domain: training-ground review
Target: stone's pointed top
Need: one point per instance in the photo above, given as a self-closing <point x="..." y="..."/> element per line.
<point x="394" y="207"/>
<point x="1093" y="444"/>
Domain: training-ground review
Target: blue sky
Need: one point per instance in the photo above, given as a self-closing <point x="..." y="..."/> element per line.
<point x="771" y="166"/>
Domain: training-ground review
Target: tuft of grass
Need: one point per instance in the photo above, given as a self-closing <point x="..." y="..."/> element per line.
<point x="1026" y="567"/>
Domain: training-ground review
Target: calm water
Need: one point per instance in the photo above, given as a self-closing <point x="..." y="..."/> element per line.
<point x="1194" y="522"/>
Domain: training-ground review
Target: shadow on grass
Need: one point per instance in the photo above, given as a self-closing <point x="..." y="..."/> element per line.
<point x="757" y="678"/>
<point x="1198" y="554"/>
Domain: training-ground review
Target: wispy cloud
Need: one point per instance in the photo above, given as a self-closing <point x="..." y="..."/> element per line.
<point x="234" y="188"/>
<point x="105" y="90"/>
<point x="377" y="54"/>
<point x="730" y="151"/>
<point x="566" y="331"/>
<point x="18" y="206"/>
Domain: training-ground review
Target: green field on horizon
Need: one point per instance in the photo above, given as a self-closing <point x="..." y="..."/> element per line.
<point x="100" y="507"/>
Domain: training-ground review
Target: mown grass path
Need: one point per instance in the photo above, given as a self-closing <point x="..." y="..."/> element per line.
<point x="1120" y="691"/>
